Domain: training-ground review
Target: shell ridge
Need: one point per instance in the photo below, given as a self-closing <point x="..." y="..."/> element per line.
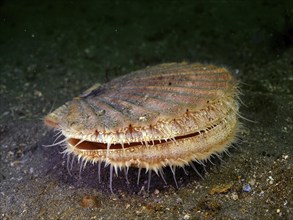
<point x="151" y="75"/>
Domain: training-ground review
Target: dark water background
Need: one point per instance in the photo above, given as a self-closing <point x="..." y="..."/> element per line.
<point x="51" y="51"/>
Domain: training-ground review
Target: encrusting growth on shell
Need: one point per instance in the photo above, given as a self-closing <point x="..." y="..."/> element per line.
<point x="165" y="115"/>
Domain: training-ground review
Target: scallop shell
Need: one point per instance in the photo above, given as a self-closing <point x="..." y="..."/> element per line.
<point x="165" y="115"/>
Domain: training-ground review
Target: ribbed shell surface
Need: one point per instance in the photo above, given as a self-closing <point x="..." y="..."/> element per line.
<point x="142" y="98"/>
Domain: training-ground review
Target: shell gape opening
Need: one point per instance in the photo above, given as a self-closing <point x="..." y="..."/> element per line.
<point x="88" y="145"/>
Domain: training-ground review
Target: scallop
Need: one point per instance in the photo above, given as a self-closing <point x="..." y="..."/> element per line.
<point x="167" y="115"/>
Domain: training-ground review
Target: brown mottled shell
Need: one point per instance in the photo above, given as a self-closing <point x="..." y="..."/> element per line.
<point x="166" y="115"/>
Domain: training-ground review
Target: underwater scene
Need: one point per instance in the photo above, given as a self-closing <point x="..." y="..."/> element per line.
<point x="146" y="109"/>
